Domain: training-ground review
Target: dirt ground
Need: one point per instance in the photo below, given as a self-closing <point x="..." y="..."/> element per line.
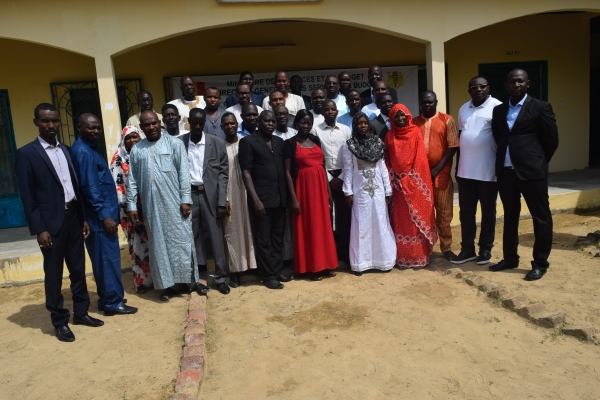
<point x="130" y="357"/>
<point x="406" y="334"/>
<point x="409" y="334"/>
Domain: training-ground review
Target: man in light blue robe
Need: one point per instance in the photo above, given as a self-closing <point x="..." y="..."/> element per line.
<point x="159" y="173"/>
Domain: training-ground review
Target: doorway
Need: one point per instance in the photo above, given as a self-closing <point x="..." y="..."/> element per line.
<point x="496" y="74"/>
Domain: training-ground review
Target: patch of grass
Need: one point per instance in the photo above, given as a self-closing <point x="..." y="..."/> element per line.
<point x="210" y="336"/>
<point x="552" y="336"/>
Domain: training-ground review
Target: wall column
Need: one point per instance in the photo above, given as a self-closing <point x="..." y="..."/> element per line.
<point x="436" y="72"/>
<point x="109" y="103"/>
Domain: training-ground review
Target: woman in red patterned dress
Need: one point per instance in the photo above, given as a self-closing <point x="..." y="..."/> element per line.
<point x="314" y="246"/>
<point x="413" y="219"/>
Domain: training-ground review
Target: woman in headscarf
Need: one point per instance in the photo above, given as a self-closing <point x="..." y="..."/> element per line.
<point x="137" y="237"/>
<point x="310" y="198"/>
<point x="413" y="219"/>
<point x="367" y="190"/>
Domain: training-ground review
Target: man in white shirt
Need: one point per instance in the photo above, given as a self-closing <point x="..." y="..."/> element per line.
<point x="209" y="172"/>
<point x="145" y="102"/>
<point x="244" y="96"/>
<point x="333" y="136"/>
<point x="332" y="88"/>
<point x="476" y="174"/>
<point x="188" y="101"/>
<point x="171" y="119"/>
<point x="371" y="109"/>
<point x="317" y="100"/>
<point x="292" y="102"/>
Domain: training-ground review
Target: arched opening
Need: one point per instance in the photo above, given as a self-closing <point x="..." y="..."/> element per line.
<point x="296" y="45"/>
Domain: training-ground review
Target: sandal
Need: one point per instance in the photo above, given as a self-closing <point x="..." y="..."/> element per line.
<point x="183" y="288"/>
<point x="329" y="273"/>
<point x="201" y="289"/>
<point x="316" y="277"/>
<point x="141" y="289"/>
<point x="167" y="294"/>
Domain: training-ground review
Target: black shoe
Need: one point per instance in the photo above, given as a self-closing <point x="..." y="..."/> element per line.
<point x="484" y="257"/>
<point x="283" y="278"/>
<point x="449" y="255"/>
<point x="123" y="310"/>
<point x="223" y="288"/>
<point x="502" y="265"/>
<point x="463" y="257"/>
<point x="87" y="320"/>
<point x="201" y="289"/>
<point x="101" y="308"/>
<point x="141" y="289"/>
<point x="359" y="273"/>
<point x="234" y="280"/>
<point x="273" y="284"/>
<point x="64" y="334"/>
<point x="535" y="274"/>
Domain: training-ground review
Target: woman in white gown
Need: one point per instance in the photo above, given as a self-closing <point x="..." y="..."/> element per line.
<point x="367" y="190"/>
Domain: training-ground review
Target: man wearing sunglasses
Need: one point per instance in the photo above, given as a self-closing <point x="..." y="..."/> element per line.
<point x="476" y="175"/>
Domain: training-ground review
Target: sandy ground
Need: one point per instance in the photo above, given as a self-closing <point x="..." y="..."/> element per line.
<point x="408" y="334"/>
<point x="130" y="357"/>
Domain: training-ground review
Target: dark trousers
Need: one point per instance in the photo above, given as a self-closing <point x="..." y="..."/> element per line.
<point x="535" y="193"/>
<point x="471" y="191"/>
<point x="105" y="253"/>
<point x="204" y="222"/>
<point x="343" y="218"/>
<point x="268" y="240"/>
<point x="67" y="247"/>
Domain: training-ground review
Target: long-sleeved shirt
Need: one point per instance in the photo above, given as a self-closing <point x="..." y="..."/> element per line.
<point x="95" y="182"/>
<point x="332" y="142"/>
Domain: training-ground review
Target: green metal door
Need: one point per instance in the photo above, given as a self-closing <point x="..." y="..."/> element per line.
<point x="11" y="209"/>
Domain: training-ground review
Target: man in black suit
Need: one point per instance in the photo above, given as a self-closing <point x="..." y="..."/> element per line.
<point x="381" y="124"/>
<point x="261" y="161"/>
<point x="246" y="78"/>
<point x="527" y="136"/>
<point x="54" y="210"/>
<point x="375" y="75"/>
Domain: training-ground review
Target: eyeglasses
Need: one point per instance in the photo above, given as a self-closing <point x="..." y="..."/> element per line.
<point x="481" y="87"/>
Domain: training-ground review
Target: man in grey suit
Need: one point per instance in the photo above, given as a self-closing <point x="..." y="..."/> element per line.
<point x="209" y="172"/>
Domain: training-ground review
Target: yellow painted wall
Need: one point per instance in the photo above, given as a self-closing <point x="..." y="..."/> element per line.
<point x="318" y="46"/>
<point x="561" y="39"/>
<point x="27" y="70"/>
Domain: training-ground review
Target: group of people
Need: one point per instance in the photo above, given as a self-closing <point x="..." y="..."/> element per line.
<point x="283" y="180"/>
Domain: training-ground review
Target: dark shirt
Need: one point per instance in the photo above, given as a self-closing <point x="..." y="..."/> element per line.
<point x="257" y="98"/>
<point x="214" y="127"/>
<point x="267" y="168"/>
<point x="96" y="184"/>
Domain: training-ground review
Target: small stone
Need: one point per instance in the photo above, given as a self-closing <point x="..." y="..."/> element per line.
<point x="193" y="350"/>
<point x="487" y="287"/>
<point x="460" y="275"/>
<point x="583" y="332"/>
<point x="514" y="302"/>
<point x="531" y="309"/>
<point x="452" y="271"/>
<point x="192" y="362"/>
<point x="194" y="338"/>
<point x="475" y="280"/>
<point x="552" y="320"/>
<point x="188" y="381"/>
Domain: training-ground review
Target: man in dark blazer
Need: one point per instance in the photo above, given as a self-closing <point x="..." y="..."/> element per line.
<point x="527" y="136"/>
<point x="209" y="173"/>
<point x="381" y="123"/>
<point x="247" y="78"/>
<point x="54" y="209"/>
<point x="374" y="75"/>
<point x="261" y="161"/>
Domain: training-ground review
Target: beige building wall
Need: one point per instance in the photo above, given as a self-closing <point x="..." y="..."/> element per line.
<point x="26" y="71"/>
<point x="561" y="39"/>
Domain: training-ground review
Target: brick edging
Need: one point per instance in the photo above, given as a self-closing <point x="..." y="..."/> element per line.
<point x="534" y="312"/>
<point x="189" y="379"/>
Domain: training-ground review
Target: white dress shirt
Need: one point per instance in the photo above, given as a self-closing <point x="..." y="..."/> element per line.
<point x="332" y="143"/>
<point x="477" y="144"/>
<point x="61" y="167"/>
<point x="285" y="135"/>
<point x="237" y="111"/>
<point x="196" y="160"/>
<point x="318" y="118"/>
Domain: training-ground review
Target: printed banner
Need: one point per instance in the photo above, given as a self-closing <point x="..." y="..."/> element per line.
<point x="402" y="78"/>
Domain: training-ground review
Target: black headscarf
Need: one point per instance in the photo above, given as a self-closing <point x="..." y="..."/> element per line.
<point x="369" y="147"/>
